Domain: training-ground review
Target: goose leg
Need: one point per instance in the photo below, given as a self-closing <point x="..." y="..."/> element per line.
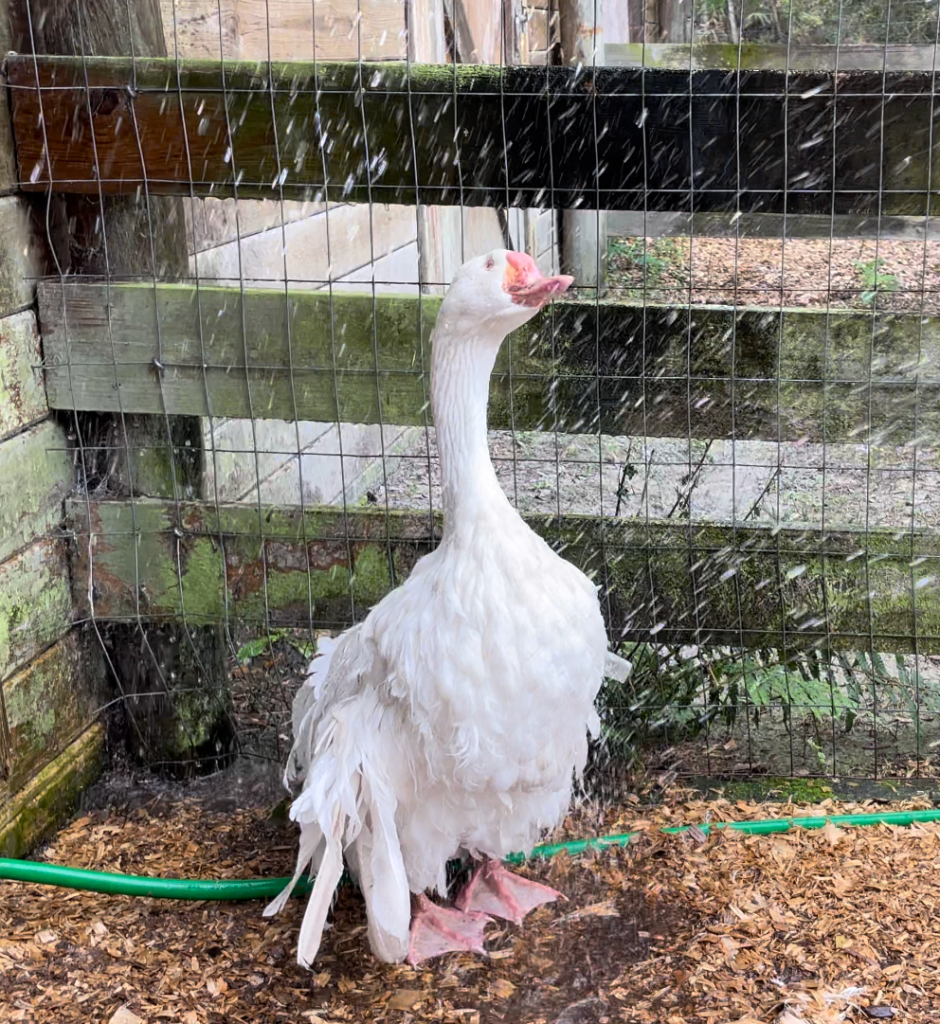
<point x="494" y="890"/>
<point x="436" y="930"/>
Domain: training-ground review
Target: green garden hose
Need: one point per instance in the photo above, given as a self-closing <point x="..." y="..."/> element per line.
<point x="267" y="888"/>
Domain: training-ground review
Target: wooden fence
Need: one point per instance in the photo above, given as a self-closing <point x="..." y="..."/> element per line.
<point x="621" y="369"/>
<point x="154" y="349"/>
<point x="670" y="138"/>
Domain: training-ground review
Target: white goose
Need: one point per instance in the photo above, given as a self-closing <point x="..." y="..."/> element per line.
<point x="451" y="721"/>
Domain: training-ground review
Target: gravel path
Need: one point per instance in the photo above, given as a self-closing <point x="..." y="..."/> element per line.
<point x="749" y="480"/>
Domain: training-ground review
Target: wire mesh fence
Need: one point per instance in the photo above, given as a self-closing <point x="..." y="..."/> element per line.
<point x="732" y="424"/>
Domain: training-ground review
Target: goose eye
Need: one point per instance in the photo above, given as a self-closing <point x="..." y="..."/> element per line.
<point x="489" y="263"/>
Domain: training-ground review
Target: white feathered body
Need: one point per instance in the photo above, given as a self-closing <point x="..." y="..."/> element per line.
<point x="462" y="704"/>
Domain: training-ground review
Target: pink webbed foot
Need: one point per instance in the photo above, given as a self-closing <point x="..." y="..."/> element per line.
<point x="494" y="890"/>
<point x="437" y="930"/>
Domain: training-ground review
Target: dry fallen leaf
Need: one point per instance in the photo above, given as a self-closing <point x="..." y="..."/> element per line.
<point x="216" y="988"/>
<point x="125" y="1016"/>
<point x="789" y="1017"/>
<point x="833" y="833"/>
<point x="405" y="999"/>
<point x="502" y="988"/>
<point x="607" y="908"/>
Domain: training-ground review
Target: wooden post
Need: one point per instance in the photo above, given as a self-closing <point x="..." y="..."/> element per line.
<point x="438" y="227"/>
<point x="133" y="456"/>
<point x="50" y="684"/>
<point x="583" y="232"/>
<point x="651" y="22"/>
<point x="675" y="22"/>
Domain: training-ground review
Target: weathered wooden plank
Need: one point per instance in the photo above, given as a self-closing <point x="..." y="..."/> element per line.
<point x="771" y="225"/>
<point x="45" y="708"/>
<point x="22" y="396"/>
<point x="623" y="369"/>
<point x="36" y="474"/>
<point x="31" y="813"/>
<point x="284" y="29"/>
<point x="710" y="140"/>
<point x="19" y="255"/>
<point x="775" y="56"/>
<point x="35" y="602"/>
<point x="7" y="158"/>
<point x="677" y="581"/>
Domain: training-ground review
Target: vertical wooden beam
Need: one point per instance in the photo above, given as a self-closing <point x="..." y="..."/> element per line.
<point x="583" y="232"/>
<point x="437" y="227"/>
<point x="36" y="475"/>
<point x="676" y="21"/>
<point x="7" y="155"/>
<point x="651" y="22"/>
<point x="140" y="236"/>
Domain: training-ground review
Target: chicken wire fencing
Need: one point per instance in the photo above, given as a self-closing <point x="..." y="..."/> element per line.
<point x="730" y="421"/>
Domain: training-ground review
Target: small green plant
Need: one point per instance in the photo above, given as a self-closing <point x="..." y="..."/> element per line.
<point x="675" y="692"/>
<point x="875" y="280"/>
<point x="655" y="261"/>
<point x="260" y="645"/>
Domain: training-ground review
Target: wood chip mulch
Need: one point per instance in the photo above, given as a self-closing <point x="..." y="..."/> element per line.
<point x="812" y="926"/>
<point x="797" y="272"/>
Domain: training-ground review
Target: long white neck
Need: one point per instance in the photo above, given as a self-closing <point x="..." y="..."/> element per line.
<point x="460" y="379"/>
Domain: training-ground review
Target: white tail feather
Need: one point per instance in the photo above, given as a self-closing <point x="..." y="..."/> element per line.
<point x="342" y="753"/>
<point x="311" y="838"/>
<point x="389" y="897"/>
<point x="328" y="878"/>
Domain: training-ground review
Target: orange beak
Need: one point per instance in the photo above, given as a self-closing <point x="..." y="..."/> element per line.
<point x="524" y="281"/>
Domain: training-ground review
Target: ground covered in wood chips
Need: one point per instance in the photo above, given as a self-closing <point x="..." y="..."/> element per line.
<point x="901" y="276"/>
<point x="815" y="926"/>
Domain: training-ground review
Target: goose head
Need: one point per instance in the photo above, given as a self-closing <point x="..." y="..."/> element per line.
<point x="494" y="294"/>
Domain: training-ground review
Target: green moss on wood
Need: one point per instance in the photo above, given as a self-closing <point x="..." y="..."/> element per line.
<point x="22" y="396"/>
<point x="622" y="368"/>
<point x="237" y="119"/>
<point x="36" y="472"/>
<point x="49" y="702"/>
<point x="32" y="812"/>
<point x="19" y="252"/>
<point x="680" y="582"/>
<point x="35" y="602"/>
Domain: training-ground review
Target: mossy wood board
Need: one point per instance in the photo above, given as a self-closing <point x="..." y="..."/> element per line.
<point x="35" y="602"/>
<point x="36" y="473"/>
<point x="702" y="372"/>
<point x="30" y="813"/>
<point x="675" y="581"/>
<point x="48" y="704"/>
<point x="22" y="396"/>
<point x="712" y="140"/>
<point x="19" y="254"/>
<point x="7" y="161"/>
<point x="775" y="56"/>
